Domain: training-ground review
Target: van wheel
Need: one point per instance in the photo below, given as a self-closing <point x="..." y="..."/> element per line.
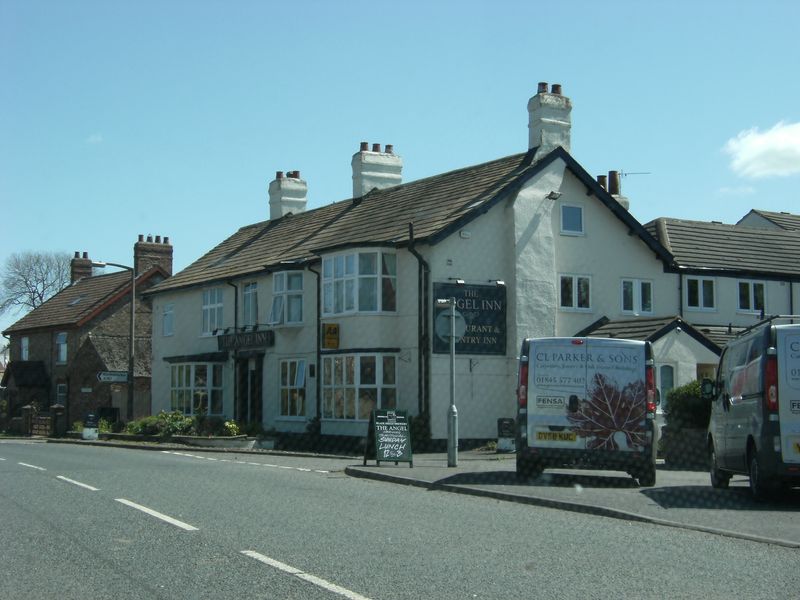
<point x="719" y="479"/>
<point x="758" y="487"/>
<point x="528" y="469"/>
<point x="647" y="475"/>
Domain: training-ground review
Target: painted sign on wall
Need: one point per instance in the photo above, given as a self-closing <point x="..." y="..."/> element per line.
<point x="483" y="308"/>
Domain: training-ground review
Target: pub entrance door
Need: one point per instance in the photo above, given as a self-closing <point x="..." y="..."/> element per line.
<point x="248" y="389"/>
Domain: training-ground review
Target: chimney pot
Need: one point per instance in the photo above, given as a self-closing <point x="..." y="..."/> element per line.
<point x="166" y="239"/>
<point x="158" y="239"/>
<point x="542" y="87"/>
<point x="556" y="89"/>
<point x="77" y="254"/>
<point x="613" y="183"/>
<point x="297" y="174"/>
<point x="601" y="179"/>
<point x="364" y="146"/>
<point x="85" y="255"/>
<point x="376" y="147"/>
<point x="389" y="149"/>
<point x="149" y="238"/>
<point x="278" y="174"/>
<point x="141" y="237"/>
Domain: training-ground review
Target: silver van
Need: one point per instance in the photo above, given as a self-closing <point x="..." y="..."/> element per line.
<point x="586" y="403"/>
<point x="754" y="428"/>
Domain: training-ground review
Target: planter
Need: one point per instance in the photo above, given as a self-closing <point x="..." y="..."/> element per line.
<point x="685" y="448"/>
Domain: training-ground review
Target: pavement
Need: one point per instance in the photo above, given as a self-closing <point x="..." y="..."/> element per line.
<point x="680" y="498"/>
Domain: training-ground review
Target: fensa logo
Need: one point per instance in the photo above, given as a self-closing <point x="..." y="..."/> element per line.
<point x="550" y="402"/>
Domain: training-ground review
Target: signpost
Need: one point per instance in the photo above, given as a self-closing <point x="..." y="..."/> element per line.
<point x="112" y="376"/>
<point x="456" y="330"/>
<point x="388" y="437"/>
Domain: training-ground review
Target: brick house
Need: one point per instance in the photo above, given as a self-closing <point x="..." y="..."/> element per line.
<point x="58" y="349"/>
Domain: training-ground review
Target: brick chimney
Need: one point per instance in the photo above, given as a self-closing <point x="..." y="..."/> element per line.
<point x="80" y="267"/>
<point x="149" y="252"/>
<point x="287" y="194"/>
<point x="549" y="119"/>
<point x="375" y="169"/>
<point x="615" y="189"/>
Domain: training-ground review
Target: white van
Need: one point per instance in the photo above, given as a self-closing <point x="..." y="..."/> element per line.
<point x="754" y="428"/>
<point x="588" y="403"/>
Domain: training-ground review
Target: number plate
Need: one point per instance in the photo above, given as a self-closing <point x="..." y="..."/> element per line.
<point x="556" y="436"/>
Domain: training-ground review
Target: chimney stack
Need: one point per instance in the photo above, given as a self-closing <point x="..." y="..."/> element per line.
<point x="287" y="194"/>
<point x="549" y="120"/>
<point x="375" y="169"/>
<point x="615" y="189"/>
<point x="148" y="253"/>
<point x="80" y="267"/>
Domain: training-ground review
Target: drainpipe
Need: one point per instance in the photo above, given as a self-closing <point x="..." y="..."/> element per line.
<point x="423" y="360"/>
<point x="316" y="343"/>
<point x="680" y="294"/>
<point x="235" y="305"/>
<point x="236" y="390"/>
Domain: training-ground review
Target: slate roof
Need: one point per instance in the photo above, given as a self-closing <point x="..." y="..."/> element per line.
<point x="784" y="220"/>
<point x="79" y="301"/>
<point x="435" y="206"/>
<point x="654" y="328"/>
<point x="729" y="249"/>
<point x="26" y="373"/>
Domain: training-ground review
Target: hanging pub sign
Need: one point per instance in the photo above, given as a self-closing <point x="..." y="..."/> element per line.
<point x="388" y="437"/>
<point x="483" y="309"/>
<point x="246" y="340"/>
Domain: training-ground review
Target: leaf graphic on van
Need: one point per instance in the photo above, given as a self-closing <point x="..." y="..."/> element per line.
<point x="611" y="418"/>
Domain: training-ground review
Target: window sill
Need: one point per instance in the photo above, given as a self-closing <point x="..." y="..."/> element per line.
<point x="567" y="309"/>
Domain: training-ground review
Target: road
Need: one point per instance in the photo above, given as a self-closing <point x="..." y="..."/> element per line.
<point x="87" y="522"/>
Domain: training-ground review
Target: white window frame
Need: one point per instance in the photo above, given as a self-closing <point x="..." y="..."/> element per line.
<point x="637" y="291"/>
<point x="293" y="389"/>
<point x="168" y="319"/>
<point x="350" y="391"/>
<point x="62" y="391"/>
<point x="352" y="281"/>
<point x="250" y="304"/>
<point x="701" y="294"/>
<point x="574" y="305"/>
<point x="287" y="292"/>
<point x="24" y="348"/>
<point x="564" y="229"/>
<point x="751" y="296"/>
<point x="190" y="396"/>
<point x="61" y="347"/>
<point x="663" y="406"/>
<point x="212" y="310"/>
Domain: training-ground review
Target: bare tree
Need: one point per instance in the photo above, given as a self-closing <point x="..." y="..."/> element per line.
<point x="29" y="278"/>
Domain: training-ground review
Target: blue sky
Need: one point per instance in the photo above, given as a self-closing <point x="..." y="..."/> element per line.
<point x="171" y="117"/>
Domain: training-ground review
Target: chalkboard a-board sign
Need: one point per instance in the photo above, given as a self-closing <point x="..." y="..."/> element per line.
<point x="388" y="438"/>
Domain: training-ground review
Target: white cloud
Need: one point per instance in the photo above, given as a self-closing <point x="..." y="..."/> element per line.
<point x="95" y="138"/>
<point x="775" y="152"/>
<point x="742" y="190"/>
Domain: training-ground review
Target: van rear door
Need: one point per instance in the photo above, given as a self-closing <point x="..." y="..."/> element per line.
<point x="788" y="344"/>
<point x="587" y="393"/>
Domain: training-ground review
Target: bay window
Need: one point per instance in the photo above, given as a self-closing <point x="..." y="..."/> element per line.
<point x="359" y="282"/>
<point x="355" y="384"/>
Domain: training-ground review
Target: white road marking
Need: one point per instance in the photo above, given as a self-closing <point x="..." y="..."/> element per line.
<point x="157" y="515"/>
<point x="32" y="466"/>
<point x="255" y="464"/>
<point x="318" y="581"/>
<point x="78" y="483"/>
<point x="2" y="458"/>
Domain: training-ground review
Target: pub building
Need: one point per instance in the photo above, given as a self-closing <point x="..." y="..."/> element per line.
<point x="332" y="312"/>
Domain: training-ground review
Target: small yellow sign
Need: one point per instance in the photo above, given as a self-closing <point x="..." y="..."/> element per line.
<point x="330" y="336"/>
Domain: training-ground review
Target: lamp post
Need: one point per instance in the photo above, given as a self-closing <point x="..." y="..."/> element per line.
<point x="454" y="330"/>
<point x="132" y="331"/>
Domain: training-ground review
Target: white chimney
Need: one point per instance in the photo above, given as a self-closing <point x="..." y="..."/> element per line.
<point x="287" y="194"/>
<point x="375" y="169"/>
<point x="549" y="119"/>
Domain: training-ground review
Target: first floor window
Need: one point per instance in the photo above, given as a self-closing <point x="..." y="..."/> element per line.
<point x="637" y="296"/>
<point x="751" y="296"/>
<point x="355" y="384"/>
<point x="250" y="304"/>
<point x="212" y="310"/>
<point x="700" y="293"/>
<point x="359" y="282"/>
<point x="196" y="388"/>
<point x="575" y="292"/>
<point x="293" y="388"/>
<point x="24" y="348"/>
<point x="287" y="298"/>
<point x="168" y="320"/>
<point x="61" y="347"/>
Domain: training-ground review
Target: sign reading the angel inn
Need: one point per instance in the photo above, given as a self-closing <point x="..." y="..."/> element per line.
<point x="483" y="309"/>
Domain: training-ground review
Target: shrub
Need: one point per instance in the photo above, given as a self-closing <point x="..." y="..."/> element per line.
<point x="686" y="409"/>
